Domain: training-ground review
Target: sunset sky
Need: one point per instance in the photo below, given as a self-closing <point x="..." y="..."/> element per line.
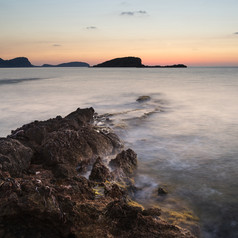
<point x="196" y="33"/>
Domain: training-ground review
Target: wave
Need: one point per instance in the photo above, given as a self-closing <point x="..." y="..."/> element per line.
<point x="136" y="114"/>
<point x="14" y="81"/>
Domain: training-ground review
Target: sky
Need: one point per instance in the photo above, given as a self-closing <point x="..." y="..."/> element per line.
<point x="160" y="32"/>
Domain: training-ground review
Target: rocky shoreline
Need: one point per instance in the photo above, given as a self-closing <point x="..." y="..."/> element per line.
<point x="67" y="177"/>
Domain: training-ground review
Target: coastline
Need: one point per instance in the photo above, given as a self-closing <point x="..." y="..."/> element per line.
<point x="41" y="176"/>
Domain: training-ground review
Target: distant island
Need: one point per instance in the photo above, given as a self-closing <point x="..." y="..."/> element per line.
<point x="15" y="63"/>
<point x="70" y="64"/>
<point x="167" y="66"/>
<point x="134" y="62"/>
<point x="23" y="62"/>
<point x="122" y="62"/>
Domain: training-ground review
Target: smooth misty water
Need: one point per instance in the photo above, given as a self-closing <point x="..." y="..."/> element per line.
<point x="186" y="136"/>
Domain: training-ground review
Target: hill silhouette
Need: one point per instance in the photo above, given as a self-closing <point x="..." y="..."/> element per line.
<point x="133" y="62"/>
<point x="15" y="63"/>
<point x="70" y="64"/>
<point x="129" y="61"/>
<point x="122" y="62"/>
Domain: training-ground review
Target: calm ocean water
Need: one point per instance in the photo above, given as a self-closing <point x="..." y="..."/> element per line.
<point x="186" y="136"/>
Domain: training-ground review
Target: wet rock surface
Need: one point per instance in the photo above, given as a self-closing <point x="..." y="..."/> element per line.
<point x="100" y="173"/>
<point x="43" y="194"/>
<point x="126" y="161"/>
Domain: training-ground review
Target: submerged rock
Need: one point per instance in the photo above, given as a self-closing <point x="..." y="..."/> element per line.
<point x="143" y="98"/>
<point x="162" y="191"/>
<point x="42" y="194"/>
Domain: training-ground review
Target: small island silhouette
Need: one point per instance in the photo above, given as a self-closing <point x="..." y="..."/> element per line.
<point x="70" y="64"/>
<point x="134" y="62"/>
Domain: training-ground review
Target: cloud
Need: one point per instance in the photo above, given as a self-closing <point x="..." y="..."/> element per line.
<point x="236" y="33"/>
<point x="134" y="13"/>
<point x="127" y="13"/>
<point x="91" y="28"/>
<point x="142" y="12"/>
<point x="56" y="45"/>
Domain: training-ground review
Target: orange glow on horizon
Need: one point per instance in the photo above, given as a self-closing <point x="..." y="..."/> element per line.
<point x="94" y="56"/>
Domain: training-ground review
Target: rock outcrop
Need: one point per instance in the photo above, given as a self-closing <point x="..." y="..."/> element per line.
<point x="126" y="161"/>
<point x="15" y="63"/>
<point x="43" y="192"/>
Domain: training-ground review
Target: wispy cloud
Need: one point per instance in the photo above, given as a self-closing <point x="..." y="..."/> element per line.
<point x="128" y="13"/>
<point x="91" y="28"/>
<point x="134" y="13"/>
<point x="56" y="45"/>
<point x="141" y="12"/>
<point x="236" y="33"/>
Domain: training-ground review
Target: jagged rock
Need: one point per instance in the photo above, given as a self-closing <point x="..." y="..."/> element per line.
<point x="42" y="195"/>
<point x="100" y="173"/>
<point x="126" y="160"/>
<point x="66" y="140"/>
<point x="115" y="192"/>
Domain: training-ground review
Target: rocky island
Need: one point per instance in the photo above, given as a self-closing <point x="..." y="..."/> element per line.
<point x="68" y="178"/>
<point x="15" y="63"/>
<point x="134" y="62"/>
<point x="122" y="62"/>
<point x="70" y="64"/>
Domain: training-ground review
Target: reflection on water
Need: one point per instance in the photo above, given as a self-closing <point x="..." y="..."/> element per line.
<point x="186" y="136"/>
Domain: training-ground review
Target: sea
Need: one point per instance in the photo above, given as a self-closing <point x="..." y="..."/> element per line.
<point x="185" y="134"/>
